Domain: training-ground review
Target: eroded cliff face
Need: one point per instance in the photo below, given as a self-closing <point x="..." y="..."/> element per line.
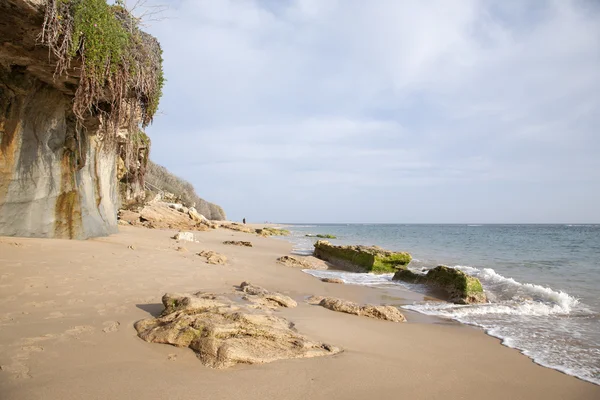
<point x="58" y="177"/>
<point x="54" y="180"/>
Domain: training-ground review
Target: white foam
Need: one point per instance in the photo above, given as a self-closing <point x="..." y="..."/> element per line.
<point x="353" y="278"/>
<point x="504" y="288"/>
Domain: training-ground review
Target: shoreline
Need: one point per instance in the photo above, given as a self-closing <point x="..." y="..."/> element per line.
<point x="68" y="310"/>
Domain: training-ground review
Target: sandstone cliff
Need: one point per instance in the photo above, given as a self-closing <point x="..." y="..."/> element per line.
<point x="70" y="121"/>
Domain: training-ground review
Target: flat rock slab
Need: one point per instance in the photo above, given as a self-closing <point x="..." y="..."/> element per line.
<point x="262" y="297"/>
<point x="387" y="313"/>
<point x="238" y="243"/>
<point x="332" y="280"/>
<point x="302" y="262"/>
<point x="213" y="257"/>
<point x="223" y="333"/>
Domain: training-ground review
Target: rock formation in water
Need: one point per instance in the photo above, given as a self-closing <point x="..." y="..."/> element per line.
<point x="361" y="258"/>
<point x="460" y="287"/>
<point x="78" y="82"/>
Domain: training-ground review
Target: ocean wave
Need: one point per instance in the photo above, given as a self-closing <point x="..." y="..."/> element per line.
<point x="353" y="278"/>
<point x="502" y="288"/>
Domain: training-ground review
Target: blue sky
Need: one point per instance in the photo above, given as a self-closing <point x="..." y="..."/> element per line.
<point x="384" y="111"/>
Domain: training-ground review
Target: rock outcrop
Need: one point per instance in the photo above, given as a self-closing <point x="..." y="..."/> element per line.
<point x="387" y="313"/>
<point x="332" y="280"/>
<point x="237" y="227"/>
<point x="272" y="232"/>
<point x="161" y="215"/>
<point x="361" y="258"/>
<point x="60" y="142"/>
<point x="263" y="297"/>
<point x="302" y="262"/>
<point x="223" y="334"/>
<point x="460" y="287"/>
<point x="238" y="243"/>
<point x="213" y="257"/>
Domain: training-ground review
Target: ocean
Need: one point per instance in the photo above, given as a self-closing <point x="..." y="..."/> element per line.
<point x="542" y="281"/>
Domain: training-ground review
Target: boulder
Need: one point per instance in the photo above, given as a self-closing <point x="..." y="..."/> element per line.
<point x="238" y="228"/>
<point x="223" y="334"/>
<point x="332" y="280"/>
<point x="272" y="232"/>
<point x="178" y="207"/>
<point x="163" y="215"/>
<point x="322" y="236"/>
<point x="295" y="262"/>
<point x="238" y="243"/>
<point x="460" y="287"/>
<point x="185" y="236"/>
<point x="196" y="216"/>
<point x="362" y="258"/>
<point x="213" y="257"/>
<point x="387" y="313"/>
<point x="265" y="297"/>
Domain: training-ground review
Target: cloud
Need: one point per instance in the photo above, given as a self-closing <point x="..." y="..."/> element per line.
<point x="416" y="111"/>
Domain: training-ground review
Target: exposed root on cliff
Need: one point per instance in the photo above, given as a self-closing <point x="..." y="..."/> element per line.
<point x="121" y="67"/>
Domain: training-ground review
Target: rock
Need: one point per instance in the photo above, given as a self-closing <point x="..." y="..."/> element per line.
<point x="238" y="243"/>
<point x="361" y="258"/>
<point x="322" y="236"/>
<point x="185" y="236"/>
<point x="272" y="232"/>
<point x="181" y="249"/>
<point x="197" y="217"/>
<point x="58" y="174"/>
<point x="238" y="228"/>
<point x="460" y="287"/>
<point x="271" y="299"/>
<point x="307" y="262"/>
<point x="213" y="257"/>
<point x="408" y="276"/>
<point x="332" y="280"/>
<point x="162" y="215"/>
<point x="223" y="334"/>
<point x="295" y="262"/>
<point x="314" y="300"/>
<point x="387" y="313"/>
<point x="178" y="207"/>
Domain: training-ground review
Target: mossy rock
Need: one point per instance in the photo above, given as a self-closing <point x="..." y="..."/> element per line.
<point x="461" y="287"/>
<point x="407" y="275"/>
<point x="272" y="232"/>
<point x="326" y="236"/>
<point x="362" y="258"/>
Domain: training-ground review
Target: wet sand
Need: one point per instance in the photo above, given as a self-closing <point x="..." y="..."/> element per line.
<point x="67" y="310"/>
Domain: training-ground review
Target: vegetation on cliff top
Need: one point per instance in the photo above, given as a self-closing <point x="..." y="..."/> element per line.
<point x="160" y="177"/>
<point x="119" y="62"/>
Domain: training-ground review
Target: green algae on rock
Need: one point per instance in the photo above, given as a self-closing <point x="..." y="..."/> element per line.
<point x="267" y="231"/>
<point x="322" y="236"/>
<point x="461" y="287"/>
<point x="362" y="258"/>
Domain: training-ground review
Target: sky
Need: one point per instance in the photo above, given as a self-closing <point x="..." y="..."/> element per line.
<point x="342" y="111"/>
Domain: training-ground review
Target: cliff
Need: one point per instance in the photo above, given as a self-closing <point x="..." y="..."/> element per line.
<point x="160" y="178"/>
<point x="78" y="83"/>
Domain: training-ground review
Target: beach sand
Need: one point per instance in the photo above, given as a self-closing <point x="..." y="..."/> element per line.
<point x="67" y="310"/>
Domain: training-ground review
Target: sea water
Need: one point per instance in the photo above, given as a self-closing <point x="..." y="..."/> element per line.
<point x="542" y="281"/>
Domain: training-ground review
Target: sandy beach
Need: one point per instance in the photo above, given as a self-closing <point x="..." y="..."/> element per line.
<point x="67" y="310"/>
